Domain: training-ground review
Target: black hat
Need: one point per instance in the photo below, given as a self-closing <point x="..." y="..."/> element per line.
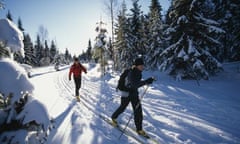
<point x="75" y="59"/>
<point x="138" y="61"/>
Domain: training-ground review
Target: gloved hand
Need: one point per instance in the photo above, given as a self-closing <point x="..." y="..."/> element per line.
<point x="149" y="80"/>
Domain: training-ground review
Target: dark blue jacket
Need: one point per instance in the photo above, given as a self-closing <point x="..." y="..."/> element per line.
<point x="135" y="81"/>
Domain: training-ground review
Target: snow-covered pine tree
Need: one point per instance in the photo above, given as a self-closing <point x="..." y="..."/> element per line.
<point x="110" y="49"/>
<point x="20" y="24"/>
<point x="193" y="41"/>
<point x="228" y="14"/>
<point x="53" y="51"/>
<point x="46" y="49"/>
<point x="19" y="111"/>
<point x="89" y="51"/>
<point x="155" y="39"/>
<point x="29" y="57"/>
<point x="38" y="50"/>
<point x="68" y="57"/>
<point x="122" y="40"/>
<point x="28" y="50"/>
<point x="9" y="16"/>
<point x="45" y="60"/>
<point x="17" y="56"/>
<point x="135" y="31"/>
<point x="100" y="46"/>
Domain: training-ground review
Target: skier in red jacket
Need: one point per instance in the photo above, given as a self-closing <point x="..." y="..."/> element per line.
<point x="76" y="69"/>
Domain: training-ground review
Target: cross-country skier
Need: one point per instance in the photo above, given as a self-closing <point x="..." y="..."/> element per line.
<point x="134" y="82"/>
<point x="76" y="69"/>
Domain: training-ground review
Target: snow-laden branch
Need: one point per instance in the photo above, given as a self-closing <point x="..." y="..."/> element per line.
<point x="11" y="36"/>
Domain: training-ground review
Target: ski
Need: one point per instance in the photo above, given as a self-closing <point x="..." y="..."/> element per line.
<point x="121" y="129"/>
<point x="130" y="132"/>
<point x="148" y="137"/>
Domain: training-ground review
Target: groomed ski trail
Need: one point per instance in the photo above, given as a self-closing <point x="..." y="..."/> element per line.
<point x="165" y="118"/>
<point x="74" y="123"/>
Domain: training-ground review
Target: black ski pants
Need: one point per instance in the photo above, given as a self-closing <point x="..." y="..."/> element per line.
<point x="137" y="110"/>
<point x="77" y="81"/>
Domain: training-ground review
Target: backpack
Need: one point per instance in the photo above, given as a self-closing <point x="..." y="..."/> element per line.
<point x="122" y="82"/>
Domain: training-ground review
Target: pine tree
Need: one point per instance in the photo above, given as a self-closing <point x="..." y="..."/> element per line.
<point x="155" y="35"/>
<point x="9" y="15"/>
<point x="100" y="48"/>
<point x="135" y="35"/>
<point x="110" y="51"/>
<point x="89" y="50"/>
<point x="38" y="50"/>
<point x="17" y="55"/>
<point x="20" y="25"/>
<point x="28" y="51"/>
<point x="193" y="41"/>
<point x="122" y="39"/>
<point x="67" y="56"/>
<point x="53" y="51"/>
<point x="46" y="50"/>
<point x="228" y="14"/>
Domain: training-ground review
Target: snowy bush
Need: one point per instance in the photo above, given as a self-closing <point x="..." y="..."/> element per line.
<point x="11" y="36"/>
<point x="20" y="113"/>
<point x="18" y="109"/>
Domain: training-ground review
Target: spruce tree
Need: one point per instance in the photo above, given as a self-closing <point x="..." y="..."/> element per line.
<point x="89" y="50"/>
<point x="193" y="41"/>
<point x="53" y="51"/>
<point x="28" y="51"/>
<point x="38" y="50"/>
<point x="122" y="39"/>
<point x="20" y="25"/>
<point x="100" y="48"/>
<point x="135" y="31"/>
<point x="155" y="35"/>
<point x="46" y="50"/>
<point x="110" y="51"/>
<point x="228" y="13"/>
<point x="9" y="16"/>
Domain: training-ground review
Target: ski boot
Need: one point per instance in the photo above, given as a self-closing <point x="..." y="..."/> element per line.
<point x="114" y="122"/>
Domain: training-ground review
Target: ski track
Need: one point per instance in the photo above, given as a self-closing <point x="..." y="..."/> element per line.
<point x="80" y="112"/>
<point x="164" y="119"/>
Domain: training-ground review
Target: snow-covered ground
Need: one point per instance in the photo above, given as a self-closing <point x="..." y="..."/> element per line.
<point x="174" y="112"/>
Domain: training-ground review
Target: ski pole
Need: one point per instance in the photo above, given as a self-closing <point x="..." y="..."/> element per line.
<point x="133" y="111"/>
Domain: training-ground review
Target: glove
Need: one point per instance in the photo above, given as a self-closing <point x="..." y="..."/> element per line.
<point x="149" y="80"/>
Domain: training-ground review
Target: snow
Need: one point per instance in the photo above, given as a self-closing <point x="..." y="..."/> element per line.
<point x="174" y="112"/>
<point x="11" y="36"/>
<point x="182" y="19"/>
<point x="22" y="107"/>
<point x="13" y="79"/>
<point x="32" y="110"/>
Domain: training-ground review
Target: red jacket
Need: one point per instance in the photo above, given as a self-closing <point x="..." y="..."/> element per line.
<point x="77" y="69"/>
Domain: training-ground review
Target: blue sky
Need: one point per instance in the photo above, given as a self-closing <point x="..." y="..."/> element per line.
<point x="71" y="23"/>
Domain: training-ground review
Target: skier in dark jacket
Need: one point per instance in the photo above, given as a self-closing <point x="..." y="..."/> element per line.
<point x="76" y="69"/>
<point x="134" y="82"/>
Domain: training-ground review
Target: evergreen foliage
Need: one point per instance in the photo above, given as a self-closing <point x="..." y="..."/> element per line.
<point x="89" y="51"/>
<point x="194" y="41"/>
<point x="28" y="50"/>
<point x="155" y="39"/>
<point x="9" y="15"/>
<point x="122" y="40"/>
